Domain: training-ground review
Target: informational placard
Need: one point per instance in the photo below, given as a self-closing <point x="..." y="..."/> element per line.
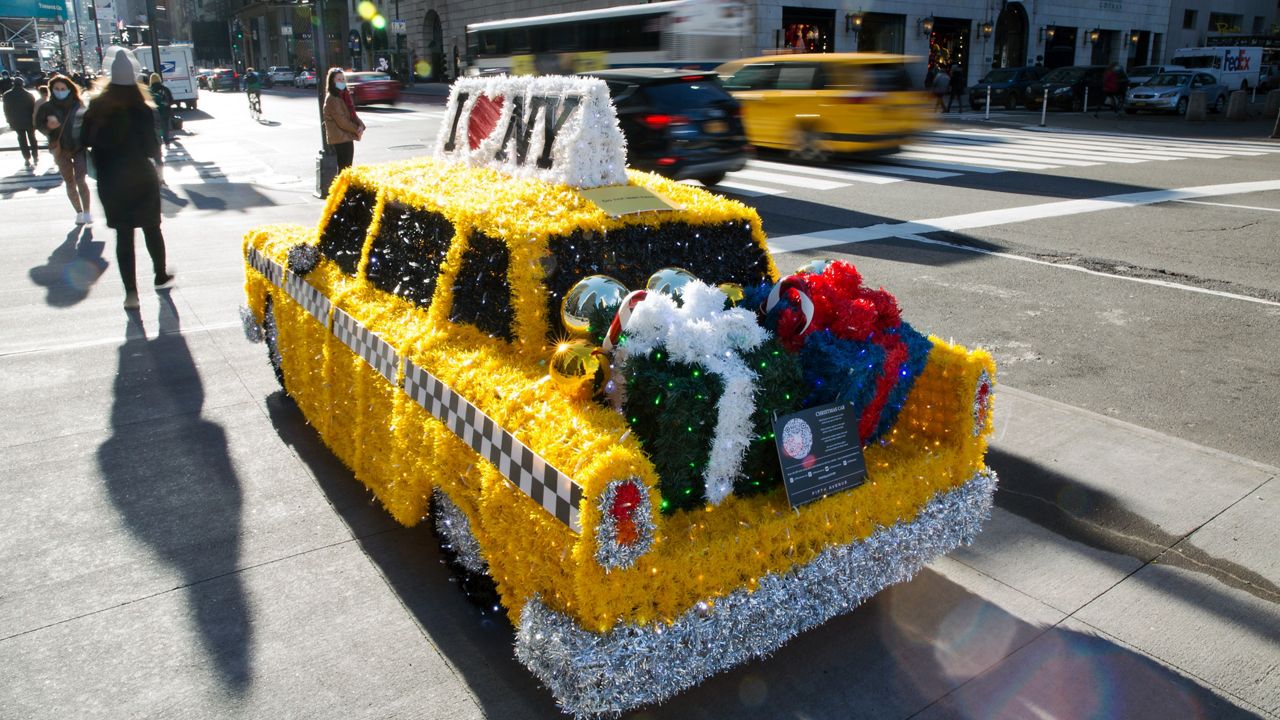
<point x="619" y="200"/>
<point x="819" y="451"/>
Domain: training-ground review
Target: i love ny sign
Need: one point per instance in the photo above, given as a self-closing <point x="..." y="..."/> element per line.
<point x="563" y="130"/>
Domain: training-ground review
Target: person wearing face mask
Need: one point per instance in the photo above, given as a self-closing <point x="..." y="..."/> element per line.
<point x="58" y="120"/>
<point x="342" y="127"/>
<point x="120" y="131"/>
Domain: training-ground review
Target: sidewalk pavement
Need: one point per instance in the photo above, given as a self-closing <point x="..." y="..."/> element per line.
<point x="176" y="541"/>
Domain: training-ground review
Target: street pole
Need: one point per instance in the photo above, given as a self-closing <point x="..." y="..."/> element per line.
<point x="155" y="44"/>
<point x="97" y="33"/>
<point x="326" y="162"/>
<point x="75" y="8"/>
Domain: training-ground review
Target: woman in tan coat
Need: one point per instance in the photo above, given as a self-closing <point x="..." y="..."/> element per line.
<point x="342" y="127"/>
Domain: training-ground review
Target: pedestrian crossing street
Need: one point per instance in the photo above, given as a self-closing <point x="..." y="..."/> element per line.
<point x="934" y="156"/>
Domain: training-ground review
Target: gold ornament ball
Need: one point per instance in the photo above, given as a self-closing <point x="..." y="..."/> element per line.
<point x="574" y="366"/>
<point x="588" y="294"/>
<point x="733" y="291"/>
<point x="669" y="280"/>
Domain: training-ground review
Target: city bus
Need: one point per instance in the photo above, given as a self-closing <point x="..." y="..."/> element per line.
<point x="691" y="34"/>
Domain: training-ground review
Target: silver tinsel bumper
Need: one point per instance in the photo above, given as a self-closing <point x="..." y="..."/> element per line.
<point x="593" y="674"/>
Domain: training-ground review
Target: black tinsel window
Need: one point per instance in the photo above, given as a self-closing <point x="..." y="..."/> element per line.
<point x="343" y="236"/>
<point x="718" y="253"/>
<point x="481" y="292"/>
<point x="407" y="252"/>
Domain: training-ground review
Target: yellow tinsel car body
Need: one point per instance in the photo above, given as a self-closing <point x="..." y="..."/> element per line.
<point x="413" y="327"/>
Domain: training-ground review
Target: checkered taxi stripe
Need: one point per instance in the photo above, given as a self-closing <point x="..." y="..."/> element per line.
<point x="311" y="299"/>
<point x="375" y="351"/>
<point x="555" y="491"/>
<point x="269" y="268"/>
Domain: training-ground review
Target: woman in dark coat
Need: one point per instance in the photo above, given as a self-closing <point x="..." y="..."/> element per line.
<point x="119" y="130"/>
<point x="56" y="118"/>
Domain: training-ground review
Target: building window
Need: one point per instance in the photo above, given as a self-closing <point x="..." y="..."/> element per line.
<point x="1225" y="22"/>
<point x="1188" y="19"/>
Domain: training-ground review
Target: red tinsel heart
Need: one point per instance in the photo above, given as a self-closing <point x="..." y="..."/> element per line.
<point x="484" y="118"/>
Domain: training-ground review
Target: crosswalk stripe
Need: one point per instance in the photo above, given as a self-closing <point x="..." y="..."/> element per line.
<point x="789" y="180"/>
<point x="1171" y="144"/>
<point x="1044" y="151"/>
<point x="825" y="172"/>
<point x="987" y="152"/>
<point x="926" y="152"/>
<point x="1103" y="151"/>
<point x="1176" y="151"/>
<point x="744" y="189"/>
<point x="906" y="171"/>
<point x="949" y="165"/>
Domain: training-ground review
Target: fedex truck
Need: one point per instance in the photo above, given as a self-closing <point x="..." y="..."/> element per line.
<point x="1235" y="67"/>
<point x="178" y="71"/>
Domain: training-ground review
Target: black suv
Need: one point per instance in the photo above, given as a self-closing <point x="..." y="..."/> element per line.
<point x="678" y="123"/>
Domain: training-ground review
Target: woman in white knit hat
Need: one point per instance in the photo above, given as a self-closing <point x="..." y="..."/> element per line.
<point x="119" y="130"/>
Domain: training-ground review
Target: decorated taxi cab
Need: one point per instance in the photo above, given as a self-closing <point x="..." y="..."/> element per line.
<point x="668" y="457"/>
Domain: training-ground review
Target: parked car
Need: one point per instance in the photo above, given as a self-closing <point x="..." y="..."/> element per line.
<point x="280" y="74"/>
<point x="1068" y="87"/>
<point x="1143" y="73"/>
<point x="1269" y="78"/>
<point x="305" y="79"/>
<point x="224" y="79"/>
<point x="1007" y="87"/>
<point x="1171" y="92"/>
<point x="202" y="77"/>
<point x="368" y="88"/>
<point x="678" y="123"/>
<point x="813" y="105"/>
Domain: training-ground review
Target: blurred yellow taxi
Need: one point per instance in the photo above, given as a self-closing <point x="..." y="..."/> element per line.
<point x="813" y="105"/>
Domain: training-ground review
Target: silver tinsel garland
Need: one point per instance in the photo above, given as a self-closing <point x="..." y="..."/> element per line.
<point x="610" y="553"/>
<point x="594" y="674"/>
<point x="252" y="330"/>
<point x="302" y="258"/>
<point x="452" y="524"/>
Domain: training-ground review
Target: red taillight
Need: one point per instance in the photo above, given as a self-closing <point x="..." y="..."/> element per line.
<point x="666" y="161"/>
<point x="658" y="121"/>
<point x="625" y="501"/>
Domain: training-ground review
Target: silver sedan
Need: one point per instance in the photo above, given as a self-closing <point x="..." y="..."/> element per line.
<point x="1171" y="92"/>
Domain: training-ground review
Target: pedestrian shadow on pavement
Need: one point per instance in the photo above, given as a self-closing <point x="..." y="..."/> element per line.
<point x="928" y="646"/>
<point x="71" y="269"/>
<point x="168" y="474"/>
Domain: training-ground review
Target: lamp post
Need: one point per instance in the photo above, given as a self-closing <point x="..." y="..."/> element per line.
<point x="155" y="46"/>
<point x="326" y="161"/>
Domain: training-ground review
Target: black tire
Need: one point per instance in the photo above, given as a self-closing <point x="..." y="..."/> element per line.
<point x="1219" y="105"/>
<point x="271" y="338"/>
<point x="1077" y="104"/>
<point x="1181" y="108"/>
<point x="712" y="179"/>
<point x="808" y="148"/>
<point x="1011" y="103"/>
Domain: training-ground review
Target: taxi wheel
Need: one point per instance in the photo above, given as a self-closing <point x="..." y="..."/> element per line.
<point x="479" y="587"/>
<point x="271" y="333"/>
<point x="806" y="147"/>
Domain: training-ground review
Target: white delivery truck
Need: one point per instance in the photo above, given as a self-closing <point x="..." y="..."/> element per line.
<point x="179" y="71"/>
<point x="1236" y="67"/>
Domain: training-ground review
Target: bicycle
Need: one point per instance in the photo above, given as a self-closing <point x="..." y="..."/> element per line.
<point x="255" y="104"/>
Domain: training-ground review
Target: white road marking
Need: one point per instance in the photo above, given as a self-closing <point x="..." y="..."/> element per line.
<point x="1087" y="271"/>
<point x="824" y="172"/>
<point x="907" y="171"/>
<point x="955" y="159"/>
<point x="746" y="190"/>
<point x="1228" y="205"/>
<point x="790" y="180"/>
<point x="913" y="230"/>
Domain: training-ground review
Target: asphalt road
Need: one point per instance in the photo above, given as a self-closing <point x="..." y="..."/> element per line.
<point x="1122" y="271"/>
